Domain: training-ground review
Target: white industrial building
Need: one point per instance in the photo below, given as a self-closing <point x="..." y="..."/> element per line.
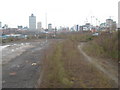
<point x="109" y="22"/>
<point x="49" y="27"/>
<point x="39" y="26"/>
<point x="32" y="22"/>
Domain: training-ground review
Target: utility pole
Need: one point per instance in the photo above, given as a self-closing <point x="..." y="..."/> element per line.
<point x="55" y="32"/>
<point x="46" y="26"/>
<point x="96" y="21"/>
<point x="46" y="20"/>
<point x="86" y="20"/>
<point x="99" y="23"/>
<point x="91" y="20"/>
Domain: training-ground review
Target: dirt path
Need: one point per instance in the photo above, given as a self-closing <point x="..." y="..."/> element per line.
<point x="108" y="69"/>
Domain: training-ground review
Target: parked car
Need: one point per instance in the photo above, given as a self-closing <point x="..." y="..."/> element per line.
<point x="95" y="34"/>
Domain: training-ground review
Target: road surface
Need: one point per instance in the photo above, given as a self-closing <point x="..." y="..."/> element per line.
<point x="21" y="63"/>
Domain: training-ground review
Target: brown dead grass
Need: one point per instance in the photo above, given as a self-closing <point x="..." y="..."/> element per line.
<point x="66" y="67"/>
<point x="105" y="45"/>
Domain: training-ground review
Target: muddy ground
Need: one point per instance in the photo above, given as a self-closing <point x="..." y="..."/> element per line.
<point x="21" y="63"/>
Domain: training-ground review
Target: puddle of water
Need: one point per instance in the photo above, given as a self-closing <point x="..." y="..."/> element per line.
<point x="12" y="50"/>
<point x="2" y="47"/>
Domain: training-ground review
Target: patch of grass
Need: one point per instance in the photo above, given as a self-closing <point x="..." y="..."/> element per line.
<point x="57" y="75"/>
<point x="8" y="40"/>
<point x="105" y="45"/>
<point x="59" y="72"/>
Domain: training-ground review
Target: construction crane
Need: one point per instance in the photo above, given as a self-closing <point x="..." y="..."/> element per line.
<point x="110" y="17"/>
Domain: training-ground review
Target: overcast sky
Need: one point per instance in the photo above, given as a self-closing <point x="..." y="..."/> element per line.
<point x="59" y="12"/>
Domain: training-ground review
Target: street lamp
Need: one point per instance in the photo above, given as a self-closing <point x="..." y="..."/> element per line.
<point x="46" y="36"/>
<point x="92" y="19"/>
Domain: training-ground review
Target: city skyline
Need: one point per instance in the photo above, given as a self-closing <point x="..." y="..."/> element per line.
<point x="59" y="13"/>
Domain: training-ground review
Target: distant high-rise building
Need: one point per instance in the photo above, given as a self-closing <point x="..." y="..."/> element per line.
<point x="114" y="25"/>
<point x="49" y="27"/>
<point x="119" y="14"/>
<point x="39" y="26"/>
<point x="32" y="22"/>
<point x="76" y="27"/>
<point x="109" y="23"/>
